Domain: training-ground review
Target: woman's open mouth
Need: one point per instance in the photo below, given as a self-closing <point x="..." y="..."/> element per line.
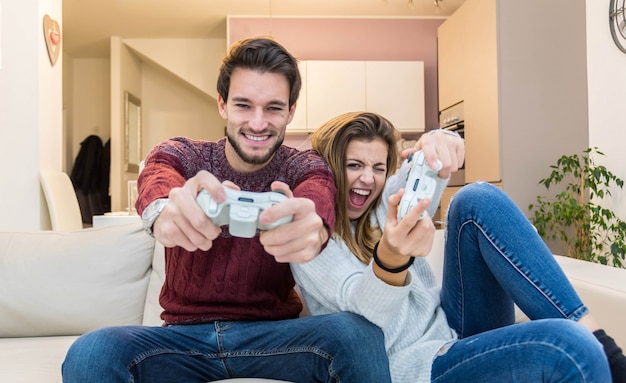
<point x="358" y="197"/>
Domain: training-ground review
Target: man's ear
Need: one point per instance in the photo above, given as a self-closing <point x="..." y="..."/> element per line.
<point x="292" y="111"/>
<point x="221" y="107"/>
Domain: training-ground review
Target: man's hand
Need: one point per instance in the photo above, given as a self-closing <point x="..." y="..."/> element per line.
<point x="300" y="240"/>
<point x="182" y="222"/>
<point x="447" y="148"/>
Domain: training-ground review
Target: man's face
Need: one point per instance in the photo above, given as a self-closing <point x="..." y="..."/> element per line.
<point x="256" y="113"/>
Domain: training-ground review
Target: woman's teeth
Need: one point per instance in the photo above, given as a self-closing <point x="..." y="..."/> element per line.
<point x="361" y="191"/>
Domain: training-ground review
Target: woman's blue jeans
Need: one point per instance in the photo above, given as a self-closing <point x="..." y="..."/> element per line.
<point x="493" y="259"/>
<point x="328" y="348"/>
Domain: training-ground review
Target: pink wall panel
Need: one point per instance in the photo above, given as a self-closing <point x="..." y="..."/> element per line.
<point x="392" y="39"/>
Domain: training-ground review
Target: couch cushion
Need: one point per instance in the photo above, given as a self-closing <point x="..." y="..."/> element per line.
<point x="54" y="283"/>
<point x="152" y="311"/>
<point x="28" y="360"/>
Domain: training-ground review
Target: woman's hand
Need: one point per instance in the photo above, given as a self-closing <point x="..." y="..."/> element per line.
<point x="445" y="147"/>
<point x="410" y="237"/>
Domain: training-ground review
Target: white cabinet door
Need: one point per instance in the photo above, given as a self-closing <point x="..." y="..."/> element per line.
<point x="395" y="90"/>
<point x="298" y="123"/>
<point x="334" y="88"/>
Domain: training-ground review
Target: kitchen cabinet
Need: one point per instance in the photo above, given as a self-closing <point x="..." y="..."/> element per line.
<point x="444" y="203"/>
<point x="450" y="52"/>
<point x="333" y="88"/>
<point x="480" y="76"/>
<point x="467" y="70"/>
<point x="298" y="122"/>
<point x="523" y="86"/>
<point x="394" y="89"/>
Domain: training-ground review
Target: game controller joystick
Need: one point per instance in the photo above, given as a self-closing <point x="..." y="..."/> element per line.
<point x="241" y="210"/>
<point x="421" y="183"/>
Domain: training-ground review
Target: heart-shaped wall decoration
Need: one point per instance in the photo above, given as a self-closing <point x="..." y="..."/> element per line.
<point x="52" y="34"/>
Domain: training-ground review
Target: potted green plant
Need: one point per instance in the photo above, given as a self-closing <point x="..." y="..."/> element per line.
<point x="585" y="229"/>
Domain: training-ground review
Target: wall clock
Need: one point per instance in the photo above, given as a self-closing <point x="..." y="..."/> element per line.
<point x="617" y="23"/>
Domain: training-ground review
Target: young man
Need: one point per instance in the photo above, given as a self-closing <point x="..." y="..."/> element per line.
<point x="230" y="309"/>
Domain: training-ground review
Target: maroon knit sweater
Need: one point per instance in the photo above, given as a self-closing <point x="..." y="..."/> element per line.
<point x="236" y="279"/>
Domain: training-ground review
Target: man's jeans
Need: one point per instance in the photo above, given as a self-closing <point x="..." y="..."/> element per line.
<point x="328" y="348"/>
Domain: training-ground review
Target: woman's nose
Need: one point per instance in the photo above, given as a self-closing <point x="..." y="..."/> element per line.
<point x="367" y="176"/>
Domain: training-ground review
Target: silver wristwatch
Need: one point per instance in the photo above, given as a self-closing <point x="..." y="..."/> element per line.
<point x="151" y="213"/>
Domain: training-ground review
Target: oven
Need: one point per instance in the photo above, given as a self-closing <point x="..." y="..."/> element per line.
<point x="453" y="118"/>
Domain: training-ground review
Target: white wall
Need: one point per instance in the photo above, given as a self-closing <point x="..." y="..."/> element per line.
<point x="607" y="97"/>
<point x="31" y="107"/>
<point x="30" y="112"/>
<point x="171" y="106"/>
<point x="125" y="76"/>
<point x="91" y="97"/>
<point x="174" y="108"/>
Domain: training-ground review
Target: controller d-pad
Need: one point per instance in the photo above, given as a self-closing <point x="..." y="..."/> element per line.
<point x="244" y="213"/>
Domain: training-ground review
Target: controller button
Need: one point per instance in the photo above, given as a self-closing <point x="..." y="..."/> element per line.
<point x="212" y="207"/>
<point x="243" y="212"/>
<point x="417" y="182"/>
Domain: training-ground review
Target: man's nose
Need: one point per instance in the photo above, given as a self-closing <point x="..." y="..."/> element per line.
<point x="258" y="122"/>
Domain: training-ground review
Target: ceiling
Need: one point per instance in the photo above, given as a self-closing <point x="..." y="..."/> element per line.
<point x="88" y="24"/>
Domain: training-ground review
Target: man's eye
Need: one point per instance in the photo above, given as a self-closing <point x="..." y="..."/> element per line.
<point x="242" y="106"/>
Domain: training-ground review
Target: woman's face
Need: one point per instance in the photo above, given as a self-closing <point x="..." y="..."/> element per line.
<point x="366" y="170"/>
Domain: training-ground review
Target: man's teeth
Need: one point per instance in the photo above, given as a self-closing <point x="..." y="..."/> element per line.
<point x="361" y="191"/>
<point x="256" y="138"/>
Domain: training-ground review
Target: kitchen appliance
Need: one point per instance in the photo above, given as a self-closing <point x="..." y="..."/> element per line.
<point x="453" y="119"/>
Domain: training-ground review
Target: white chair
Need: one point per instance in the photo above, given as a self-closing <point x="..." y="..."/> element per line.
<point x="62" y="201"/>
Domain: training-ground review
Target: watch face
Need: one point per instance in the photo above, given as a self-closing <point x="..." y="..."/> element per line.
<point x="153" y="210"/>
<point x="617" y="23"/>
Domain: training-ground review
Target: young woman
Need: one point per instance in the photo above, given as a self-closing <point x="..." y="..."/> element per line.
<point x="494" y="258"/>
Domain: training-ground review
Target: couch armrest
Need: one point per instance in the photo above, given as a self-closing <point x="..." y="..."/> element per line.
<point x="603" y="289"/>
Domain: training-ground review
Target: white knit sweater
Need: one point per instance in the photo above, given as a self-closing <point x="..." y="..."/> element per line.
<point x="410" y="316"/>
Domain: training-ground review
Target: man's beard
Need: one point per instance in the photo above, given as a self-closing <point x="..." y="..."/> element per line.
<point x="255" y="160"/>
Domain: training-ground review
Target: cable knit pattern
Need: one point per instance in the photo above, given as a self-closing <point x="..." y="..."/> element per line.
<point x="236" y="279"/>
<point x="414" y="324"/>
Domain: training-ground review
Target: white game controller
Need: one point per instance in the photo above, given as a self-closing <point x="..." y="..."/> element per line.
<point x="420" y="183"/>
<point x="241" y="210"/>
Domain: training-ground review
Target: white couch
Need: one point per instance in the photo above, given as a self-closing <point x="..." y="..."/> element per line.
<point x="55" y="286"/>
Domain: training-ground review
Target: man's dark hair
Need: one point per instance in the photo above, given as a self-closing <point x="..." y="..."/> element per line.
<point x="263" y="55"/>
